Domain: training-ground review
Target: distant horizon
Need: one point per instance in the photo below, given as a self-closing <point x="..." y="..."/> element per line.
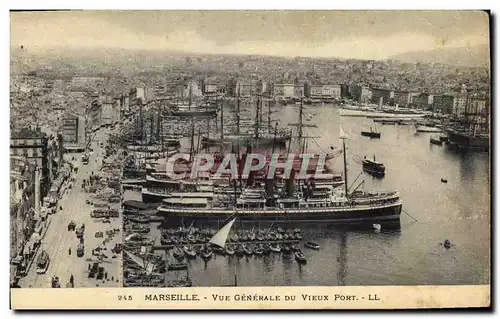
<point x="194" y="54"/>
<point x="359" y="35"/>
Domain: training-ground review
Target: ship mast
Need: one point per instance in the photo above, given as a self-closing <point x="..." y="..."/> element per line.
<point x="221" y="127"/>
<point x="256" y="130"/>
<point x="190" y="95"/>
<point x="238" y="114"/>
<point x="344" y="137"/>
<point x="269" y="116"/>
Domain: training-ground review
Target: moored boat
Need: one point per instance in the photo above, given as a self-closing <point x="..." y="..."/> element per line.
<point x="275" y="248"/>
<point x="300" y="257"/>
<point x="178" y="253"/>
<point x="373" y="167"/>
<point x="436" y="141"/>
<point x="229" y="250"/>
<point x="189" y="251"/>
<point x="312" y="245"/>
<point x="177" y="266"/>
<point x="371" y="133"/>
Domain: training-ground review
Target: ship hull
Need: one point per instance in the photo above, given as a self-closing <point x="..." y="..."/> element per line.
<point x="152" y="197"/>
<point x="350" y="215"/>
<point x="243" y="140"/>
<point x="464" y="142"/>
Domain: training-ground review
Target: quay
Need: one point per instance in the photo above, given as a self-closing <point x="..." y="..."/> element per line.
<point x="73" y="206"/>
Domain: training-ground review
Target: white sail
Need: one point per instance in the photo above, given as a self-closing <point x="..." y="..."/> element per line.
<point x="343" y="134"/>
<point x="220" y="237"/>
<point x="140" y="262"/>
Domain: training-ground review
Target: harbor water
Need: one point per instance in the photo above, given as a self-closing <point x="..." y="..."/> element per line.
<point x="413" y="254"/>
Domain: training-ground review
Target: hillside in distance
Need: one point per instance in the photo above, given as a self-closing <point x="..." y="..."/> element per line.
<point x="469" y="56"/>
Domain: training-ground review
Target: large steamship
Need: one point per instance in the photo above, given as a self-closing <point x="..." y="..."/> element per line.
<point x="295" y="200"/>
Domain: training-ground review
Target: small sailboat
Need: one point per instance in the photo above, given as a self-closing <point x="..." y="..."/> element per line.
<point x="229" y="250"/>
<point x="239" y="251"/>
<point x="447" y="244"/>
<point x="258" y="251"/>
<point x="206" y="253"/>
<point x="260" y="236"/>
<point x="251" y="235"/>
<point x="189" y="251"/>
<point x="191" y="239"/>
<point x="177" y="266"/>
<point x="247" y="250"/>
<point x="312" y="245"/>
<point x="275" y="248"/>
<point x="265" y="249"/>
<point x="436" y="140"/>
<point x="219" y="240"/>
<point x="371" y="133"/>
<point x="178" y="253"/>
<point x="300" y="257"/>
<point x="286" y="249"/>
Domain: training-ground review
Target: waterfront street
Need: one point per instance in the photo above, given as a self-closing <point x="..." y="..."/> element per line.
<point x="58" y="240"/>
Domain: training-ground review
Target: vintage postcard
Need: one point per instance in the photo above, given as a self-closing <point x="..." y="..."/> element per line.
<point x="250" y="159"/>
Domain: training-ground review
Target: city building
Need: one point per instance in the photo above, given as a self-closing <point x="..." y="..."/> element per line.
<point x="210" y="89"/>
<point x="191" y="87"/>
<point x="331" y="91"/>
<point x="108" y="112"/>
<point x="315" y="91"/>
<point x="459" y="104"/>
<point x="477" y="107"/>
<point x="137" y="96"/>
<point x="22" y="204"/>
<point x="73" y="132"/>
<point x="361" y="93"/>
<point x="298" y="91"/>
<point x="381" y="96"/>
<point x="443" y="103"/>
<point x="422" y="101"/>
<point x="401" y="98"/>
<point x="244" y="88"/>
<point x="34" y="146"/>
<point x="95" y="115"/>
<point x="284" y="90"/>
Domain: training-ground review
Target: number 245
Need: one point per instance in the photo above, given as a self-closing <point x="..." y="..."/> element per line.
<point x="125" y="297"/>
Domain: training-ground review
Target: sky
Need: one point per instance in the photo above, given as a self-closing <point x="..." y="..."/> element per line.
<point x="342" y="34"/>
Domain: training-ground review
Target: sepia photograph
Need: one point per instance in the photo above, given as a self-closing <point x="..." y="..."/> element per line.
<point x="249" y="149"/>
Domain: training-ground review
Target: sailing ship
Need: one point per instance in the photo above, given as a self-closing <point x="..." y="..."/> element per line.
<point x="261" y="137"/>
<point x="191" y="110"/>
<point x="470" y="134"/>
